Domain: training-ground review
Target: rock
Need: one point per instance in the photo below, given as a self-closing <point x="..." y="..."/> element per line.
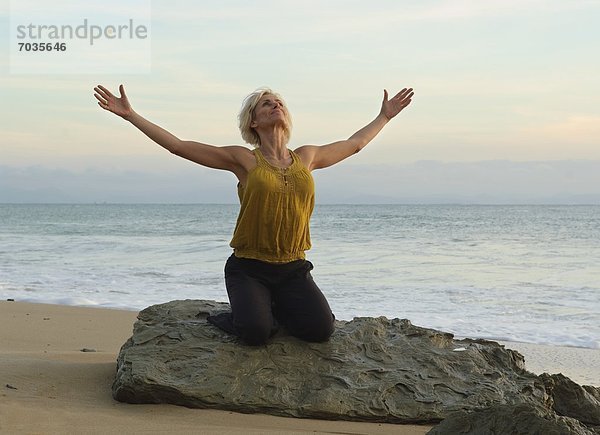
<point x="526" y="419"/>
<point x="572" y="400"/>
<point x="372" y="369"/>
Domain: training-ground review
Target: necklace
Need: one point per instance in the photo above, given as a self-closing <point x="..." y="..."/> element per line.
<point x="281" y="163"/>
<point x="282" y="171"/>
<point x="287" y="161"/>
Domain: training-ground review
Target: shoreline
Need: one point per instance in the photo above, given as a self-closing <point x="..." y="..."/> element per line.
<point x="580" y="364"/>
<point x="48" y="384"/>
<point x="503" y="340"/>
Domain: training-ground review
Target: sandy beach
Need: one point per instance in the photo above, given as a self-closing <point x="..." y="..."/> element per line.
<point x="49" y="385"/>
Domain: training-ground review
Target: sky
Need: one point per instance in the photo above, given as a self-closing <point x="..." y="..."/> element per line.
<point x="506" y="105"/>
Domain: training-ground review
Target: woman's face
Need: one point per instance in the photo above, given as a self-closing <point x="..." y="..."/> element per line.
<point x="269" y="110"/>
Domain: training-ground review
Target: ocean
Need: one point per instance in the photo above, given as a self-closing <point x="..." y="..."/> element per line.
<point x="513" y="273"/>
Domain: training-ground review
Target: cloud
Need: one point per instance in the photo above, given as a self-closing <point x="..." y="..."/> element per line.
<point x="574" y="129"/>
<point x="330" y="60"/>
<point x="449" y="10"/>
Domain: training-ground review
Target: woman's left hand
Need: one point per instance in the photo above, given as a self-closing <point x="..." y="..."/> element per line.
<point x="393" y="106"/>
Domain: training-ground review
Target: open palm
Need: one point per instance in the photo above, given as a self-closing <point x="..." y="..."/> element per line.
<point x="118" y="105"/>
<point x="393" y="106"/>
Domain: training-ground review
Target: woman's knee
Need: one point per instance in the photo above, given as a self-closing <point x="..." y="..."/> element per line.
<point x="254" y="333"/>
<point x="317" y="330"/>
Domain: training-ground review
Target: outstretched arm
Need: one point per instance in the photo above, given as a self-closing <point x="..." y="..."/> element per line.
<point x="207" y="155"/>
<point x="318" y="157"/>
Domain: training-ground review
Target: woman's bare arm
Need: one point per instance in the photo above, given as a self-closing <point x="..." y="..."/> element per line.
<point x="318" y="157"/>
<point x="227" y="158"/>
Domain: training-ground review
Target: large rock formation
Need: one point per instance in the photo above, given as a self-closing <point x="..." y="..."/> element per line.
<point x="372" y="369"/>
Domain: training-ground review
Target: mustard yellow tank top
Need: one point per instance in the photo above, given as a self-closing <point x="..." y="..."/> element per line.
<point x="275" y="209"/>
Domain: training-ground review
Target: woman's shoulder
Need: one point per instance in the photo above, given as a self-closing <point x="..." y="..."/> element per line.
<point x="306" y="153"/>
<point x="239" y="149"/>
<point x="240" y="152"/>
<point x="243" y="159"/>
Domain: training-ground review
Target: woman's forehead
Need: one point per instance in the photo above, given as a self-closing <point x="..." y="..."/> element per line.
<point x="271" y="97"/>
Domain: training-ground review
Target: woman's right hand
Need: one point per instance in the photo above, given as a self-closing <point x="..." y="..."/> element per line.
<point x="118" y="106"/>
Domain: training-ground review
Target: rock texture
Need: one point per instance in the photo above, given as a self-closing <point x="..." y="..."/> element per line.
<point x="372" y="369"/>
<point x="526" y="419"/>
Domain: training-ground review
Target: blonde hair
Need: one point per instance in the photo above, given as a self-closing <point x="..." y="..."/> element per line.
<point x="246" y="116"/>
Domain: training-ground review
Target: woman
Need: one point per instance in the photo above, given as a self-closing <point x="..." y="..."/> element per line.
<point x="267" y="277"/>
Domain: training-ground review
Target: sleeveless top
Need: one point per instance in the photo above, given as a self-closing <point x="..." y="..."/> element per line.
<point x="275" y="209"/>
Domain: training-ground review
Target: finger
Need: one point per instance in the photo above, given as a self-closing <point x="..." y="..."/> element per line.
<point x="403" y="93"/>
<point x="385" y="95"/>
<point x="100" y="99"/>
<point x="98" y="90"/>
<point x="405" y="99"/>
<point x="101" y="93"/>
<point x="106" y="91"/>
<point x="104" y="106"/>
<point x="122" y="91"/>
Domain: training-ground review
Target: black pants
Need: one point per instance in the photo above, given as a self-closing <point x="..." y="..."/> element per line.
<point x="263" y="295"/>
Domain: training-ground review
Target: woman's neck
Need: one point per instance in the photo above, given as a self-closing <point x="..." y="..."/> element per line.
<point x="273" y="145"/>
